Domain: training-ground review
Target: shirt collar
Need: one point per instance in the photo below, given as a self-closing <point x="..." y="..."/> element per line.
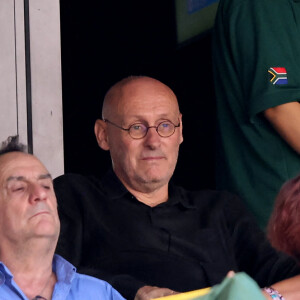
<point x="178" y="195"/>
<point x="64" y="270"/>
<point x="112" y="186"/>
<point x="4" y="270"/>
<point x="114" y="189"/>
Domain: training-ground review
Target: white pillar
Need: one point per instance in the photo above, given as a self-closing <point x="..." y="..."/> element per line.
<point x="30" y="70"/>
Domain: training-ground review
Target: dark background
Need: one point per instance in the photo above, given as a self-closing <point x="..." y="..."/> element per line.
<point x="104" y="41"/>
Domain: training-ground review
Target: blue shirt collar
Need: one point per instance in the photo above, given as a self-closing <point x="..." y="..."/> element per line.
<point x="64" y="271"/>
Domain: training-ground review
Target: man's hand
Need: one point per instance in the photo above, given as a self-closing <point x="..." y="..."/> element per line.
<point x="150" y="292"/>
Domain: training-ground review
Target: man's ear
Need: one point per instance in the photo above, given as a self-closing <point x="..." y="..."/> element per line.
<point x="101" y="134"/>
<point x="181" y="128"/>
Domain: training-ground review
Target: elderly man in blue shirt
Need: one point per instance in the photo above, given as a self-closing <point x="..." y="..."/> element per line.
<point x="29" y="230"/>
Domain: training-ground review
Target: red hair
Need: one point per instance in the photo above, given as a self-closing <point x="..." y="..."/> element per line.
<point x="284" y="224"/>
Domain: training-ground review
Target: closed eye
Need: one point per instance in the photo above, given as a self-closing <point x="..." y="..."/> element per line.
<point x="18" y="188"/>
<point x="46" y="183"/>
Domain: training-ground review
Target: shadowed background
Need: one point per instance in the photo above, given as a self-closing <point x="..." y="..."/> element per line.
<point x="104" y="41"/>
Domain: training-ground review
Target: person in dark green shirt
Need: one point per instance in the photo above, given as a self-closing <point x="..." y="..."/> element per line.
<point x="256" y="58"/>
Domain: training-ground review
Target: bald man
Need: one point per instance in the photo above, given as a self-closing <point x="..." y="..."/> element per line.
<point x="146" y="236"/>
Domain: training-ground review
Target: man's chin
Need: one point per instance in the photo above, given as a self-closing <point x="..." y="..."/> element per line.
<point x="49" y="234"/>
<point x="152" y="178"/>
<point x="154" y="181"/>
<point x="46" y="227"/>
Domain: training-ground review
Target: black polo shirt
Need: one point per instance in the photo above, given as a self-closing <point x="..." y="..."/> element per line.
<point x="189" y="242"/>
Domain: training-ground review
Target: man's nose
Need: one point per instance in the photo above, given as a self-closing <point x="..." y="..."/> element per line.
<point x="37" y="193"/>
<point x="152" y="138"/>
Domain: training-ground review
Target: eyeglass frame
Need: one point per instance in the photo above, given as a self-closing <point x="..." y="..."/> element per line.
<point x="147" y="128"/>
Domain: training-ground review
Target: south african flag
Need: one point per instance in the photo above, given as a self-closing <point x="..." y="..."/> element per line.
<point x="278" y="75"/>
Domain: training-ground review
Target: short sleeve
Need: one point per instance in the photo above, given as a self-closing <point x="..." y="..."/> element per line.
<point x="263" y="45"/>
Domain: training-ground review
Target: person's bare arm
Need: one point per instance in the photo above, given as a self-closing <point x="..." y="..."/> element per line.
<point x="289" y="288"/>
<point x="150" y="292"/>
<point x="285" y="119"/>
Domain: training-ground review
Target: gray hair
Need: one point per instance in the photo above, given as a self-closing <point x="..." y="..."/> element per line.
<point x="12" y="144"/>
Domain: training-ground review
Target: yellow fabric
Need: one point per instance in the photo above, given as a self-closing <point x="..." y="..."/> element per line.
<point x="187" y="296"/>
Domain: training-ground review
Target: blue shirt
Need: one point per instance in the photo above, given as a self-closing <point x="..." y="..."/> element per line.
<point x="69" y="286"/>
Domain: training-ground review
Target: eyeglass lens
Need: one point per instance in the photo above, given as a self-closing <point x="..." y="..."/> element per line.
<point x="140" y="130"/>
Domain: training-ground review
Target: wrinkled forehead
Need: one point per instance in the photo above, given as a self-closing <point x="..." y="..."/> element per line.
<point x="18" y="164"/>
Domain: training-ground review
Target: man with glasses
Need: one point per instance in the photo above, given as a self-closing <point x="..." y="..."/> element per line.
<point x="139" y="231"/>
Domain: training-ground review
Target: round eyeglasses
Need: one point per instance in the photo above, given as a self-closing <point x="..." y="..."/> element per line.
<point x="139" y="130"/>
